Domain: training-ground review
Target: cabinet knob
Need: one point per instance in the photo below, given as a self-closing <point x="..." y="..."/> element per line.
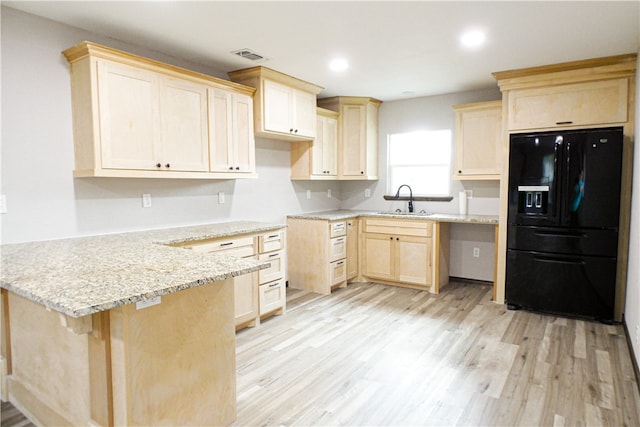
<point x="168" y="165"/>
<point x="397" y="238"/>
<point x="361" y="172"/>
<point x="391" y="238"/>
<point x="230" y="168"/>
<point x="237" y="168"/>
<point x="296" y="131"/>
<point x="158" y="165"/>
<point x="290" y="130"/>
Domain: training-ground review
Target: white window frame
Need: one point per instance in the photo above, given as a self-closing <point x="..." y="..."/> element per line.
<point x="427" y="173"/>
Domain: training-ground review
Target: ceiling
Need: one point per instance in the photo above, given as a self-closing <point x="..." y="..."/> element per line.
<point x="395" y="49"/>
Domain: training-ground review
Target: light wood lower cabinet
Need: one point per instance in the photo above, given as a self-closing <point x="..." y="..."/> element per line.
<point x="410" y="253"/>
<point x="259" y="294"/>
<point x="317" y="254"/>
<point x="352" y="248"/>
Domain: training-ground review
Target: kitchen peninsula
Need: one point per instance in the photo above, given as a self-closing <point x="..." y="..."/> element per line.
<point x="123" y="329"/>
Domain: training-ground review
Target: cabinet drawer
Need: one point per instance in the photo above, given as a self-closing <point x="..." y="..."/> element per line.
<point x="272" y="296"/>
<point x="276" y="271"/>
<point x="579" y="104"/>
<point x="273" y="241"/>
<point x="338" y="228"/>
<point x="337" y="248"/>
<point x="399" y="227"/>
<point x="241" y="247"/>
<point x="338" y="271"/>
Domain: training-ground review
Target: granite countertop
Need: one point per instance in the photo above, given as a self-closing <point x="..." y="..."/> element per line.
<point x="85" y="275"/>
<point x="346" y="214"/>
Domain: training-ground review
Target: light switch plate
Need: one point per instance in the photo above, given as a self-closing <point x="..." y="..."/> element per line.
<point x="308" y="194"/>
<point x="367" y="192"/>
<point x="329" y="193"/>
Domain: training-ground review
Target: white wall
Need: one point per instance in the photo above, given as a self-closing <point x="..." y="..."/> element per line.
<point x="632" y="306"/>
<point x="45" y="202"/>
<point x="431" y="113"/>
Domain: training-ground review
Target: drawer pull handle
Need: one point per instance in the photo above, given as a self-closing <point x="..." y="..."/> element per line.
<point x="273" y="285"/>
<point x="226" y="244"/>
<point x="565" y="123"/>
<point x="272" y="236"/>
<point x="274" y="255"/>
<point x="340" y="263"/>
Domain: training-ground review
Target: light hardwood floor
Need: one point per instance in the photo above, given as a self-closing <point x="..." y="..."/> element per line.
<point x="371" y="354"/>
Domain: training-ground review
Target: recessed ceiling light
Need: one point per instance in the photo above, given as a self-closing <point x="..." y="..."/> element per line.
<point x="338" y="64"/>
<point x="472" y="38"/>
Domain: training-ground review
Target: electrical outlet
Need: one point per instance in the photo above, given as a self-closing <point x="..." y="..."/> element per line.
<point x="329" y="193"/>
<point x="221" y="197"/>
<point x="146" y="200"/>
<point x="308" y="194"/>
<point x="469" y="194"/>
<point x="367" y="192"/>
<point x="476" y="252"/>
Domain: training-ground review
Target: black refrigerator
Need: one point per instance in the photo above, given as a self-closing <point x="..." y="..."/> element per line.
<point x="562" y="235"/>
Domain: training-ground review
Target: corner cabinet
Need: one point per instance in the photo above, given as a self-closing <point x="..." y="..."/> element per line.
<point x="411" y="253"/>
<point x="284" y="108"/>
<point x="478" y="141"/>
<point x="138" y="118"/>
<point x="318" y="159"/>
<point x="357" y="136"/>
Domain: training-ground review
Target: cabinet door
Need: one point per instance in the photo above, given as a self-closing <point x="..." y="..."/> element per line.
<point x="328" y="150"/>
<point x="579" y="104"/>
<point x="413" y="260"/>
<point x="129" y="117"/>
<point x="278" y="104"/>
<point x="378" y="256"/>
<point x="220" y="130"/>
<point x="246" y="298"/>
<point x="478" y="140"/>
<point x="317" y="149"/>
<point x="243" y="141"/>
<point x="272" y="296"/>
<point x="353" y="140"/>
<point x="183" y="115"/>
<point x="352" y="248"/>
<point x="304" y="113"/>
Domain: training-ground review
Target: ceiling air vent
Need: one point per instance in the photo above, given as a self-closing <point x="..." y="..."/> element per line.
<point x="249" y="54"/>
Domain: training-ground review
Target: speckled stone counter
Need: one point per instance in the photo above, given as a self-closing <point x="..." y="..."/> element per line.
<point x="346" y="214"/>
<point x="85" y="275"/>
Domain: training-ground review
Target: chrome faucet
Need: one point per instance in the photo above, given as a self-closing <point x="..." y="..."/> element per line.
<point x="410" y="196"/>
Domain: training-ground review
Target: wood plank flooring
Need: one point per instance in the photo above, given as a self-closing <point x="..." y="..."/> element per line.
<point x="378" y="355"/>
<point x="371" y="354"/>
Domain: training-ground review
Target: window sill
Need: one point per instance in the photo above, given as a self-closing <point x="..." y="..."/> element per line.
<point x="421" y="198"/>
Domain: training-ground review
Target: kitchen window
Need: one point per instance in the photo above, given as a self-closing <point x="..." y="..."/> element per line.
<point x="421" y="160"/>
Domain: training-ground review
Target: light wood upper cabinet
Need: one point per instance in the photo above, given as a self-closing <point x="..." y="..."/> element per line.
<point x="580" y="104"/>
<point x="232" y="147"/>
<point x="318" y="159"/>
<point x="138" y="118"/>
<point x="284" y="107"/>
<point x="478" y="140"/>
<point x="357" y="136"/>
